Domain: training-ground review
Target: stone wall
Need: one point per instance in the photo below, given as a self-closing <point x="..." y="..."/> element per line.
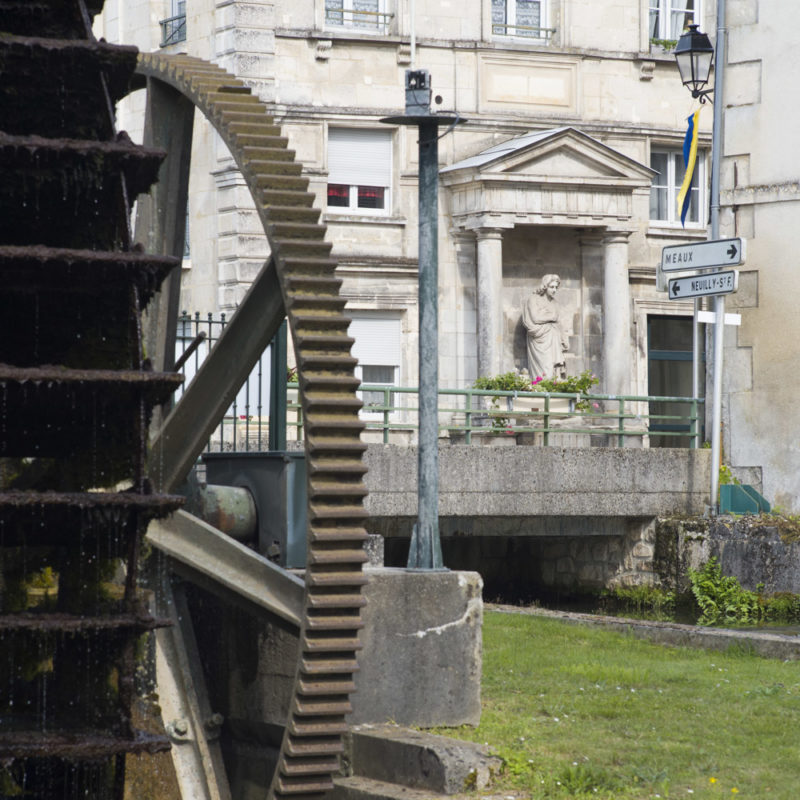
<point x="753" y="549"/>
<point x="527" y="567"/>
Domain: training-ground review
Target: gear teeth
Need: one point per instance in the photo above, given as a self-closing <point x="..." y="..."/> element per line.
<point x="306" y="271"/>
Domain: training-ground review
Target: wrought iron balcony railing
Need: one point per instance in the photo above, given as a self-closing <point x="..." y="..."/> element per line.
<point x="173" y="30"/>
<point x="377" y="21"/>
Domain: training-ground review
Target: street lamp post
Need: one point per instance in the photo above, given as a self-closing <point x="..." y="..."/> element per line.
<point x="694" y="54"/>
<point x="425" y="551"/>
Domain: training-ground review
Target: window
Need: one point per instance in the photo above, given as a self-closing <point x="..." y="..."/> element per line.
<point x="378" y="375"/>
<point x="669" y="18"/>
<point x="667" y="183"/>
<point x="367" y="15"/>
<point x="669" y="374"/>
<point x="377" y="348"/>
<point x="173" y="29"/>
<point x="187" y="253"/>
<point x="519" y="18"/>
<point x="359" y="170"/>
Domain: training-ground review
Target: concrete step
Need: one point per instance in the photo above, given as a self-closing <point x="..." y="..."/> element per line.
<point x="420" y="761"/>
<point x="359" y="788"/>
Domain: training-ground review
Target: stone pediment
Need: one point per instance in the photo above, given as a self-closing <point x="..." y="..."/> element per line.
<point x="562" y="154"/>
<point x="566" y="162"/>
<point x="560" y="176"/>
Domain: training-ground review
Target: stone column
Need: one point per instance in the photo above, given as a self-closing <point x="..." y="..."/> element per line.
<point x="591" y="302"/>
<point x="617" y="342"/>
<point x="489" y="278"/>
<point x="458" y="349"/>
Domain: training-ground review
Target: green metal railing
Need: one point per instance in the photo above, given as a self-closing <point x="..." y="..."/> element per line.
<point x="466" y="414"/>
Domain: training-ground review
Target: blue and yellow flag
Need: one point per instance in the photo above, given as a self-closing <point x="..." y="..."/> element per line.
<point x="690" y="162"/>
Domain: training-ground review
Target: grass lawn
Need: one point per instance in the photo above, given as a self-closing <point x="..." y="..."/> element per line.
<point x="585" y="712"/>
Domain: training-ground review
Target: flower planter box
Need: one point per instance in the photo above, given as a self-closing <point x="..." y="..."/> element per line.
<point x="526" y="405"/>
<point x="494" y="438"/>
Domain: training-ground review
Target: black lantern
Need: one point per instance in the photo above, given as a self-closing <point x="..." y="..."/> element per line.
<point x="694" y="54"/>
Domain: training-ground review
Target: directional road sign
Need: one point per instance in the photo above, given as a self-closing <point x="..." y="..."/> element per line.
<point x="702" y="255"/>
<point x="704" y="285"/>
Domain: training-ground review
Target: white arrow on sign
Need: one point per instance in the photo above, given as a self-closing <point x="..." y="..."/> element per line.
<point x="703" y="285"/>
<point x="703" y="255"/>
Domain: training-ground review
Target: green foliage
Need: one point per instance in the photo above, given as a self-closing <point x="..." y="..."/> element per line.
<point x="726" y="477"/>
<point x="781" y="607"/>
<point x="507" y="382"/>
<point x="45" y="578"/>
<point x="667" y="44"/>
<point x="722" y="600"/>
<point x="571" y="709"/>
<point x="721" y="597"/>
<point x="649" y="602"/>
<point x="8" y="786"/>
<point x="586" y="779"/>
<point x="514" y="382"/>
<point x="572" y="384"/>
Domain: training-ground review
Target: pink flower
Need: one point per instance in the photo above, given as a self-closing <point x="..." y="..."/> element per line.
<point x="537" y="379"/>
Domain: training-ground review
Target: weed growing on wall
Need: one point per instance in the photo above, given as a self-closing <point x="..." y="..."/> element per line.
<point x="722" y="600"/>
<point x="721" y="597"/>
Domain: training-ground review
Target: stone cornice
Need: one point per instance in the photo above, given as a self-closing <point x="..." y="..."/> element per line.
<point x="765" y="193"/>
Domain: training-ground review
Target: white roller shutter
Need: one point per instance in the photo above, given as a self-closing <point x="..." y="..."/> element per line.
<point x="359" y="157"/>
<point x="377" y="340"/>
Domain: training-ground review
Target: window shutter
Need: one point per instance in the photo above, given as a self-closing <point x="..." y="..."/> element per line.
<point x="359" y="157"/>
<point x="377" y="340"/>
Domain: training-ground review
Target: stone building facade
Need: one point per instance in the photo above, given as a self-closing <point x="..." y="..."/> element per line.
<point x="760" y="186"/>
<point x="566" y="161"/>
<point x="566" y="104"/>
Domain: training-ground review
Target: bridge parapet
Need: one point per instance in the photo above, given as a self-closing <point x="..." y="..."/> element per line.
<point x="542" y="481"/>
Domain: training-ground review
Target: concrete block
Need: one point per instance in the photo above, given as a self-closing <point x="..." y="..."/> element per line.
<point x="421" y="662"/>
<point x="419" y="760"/>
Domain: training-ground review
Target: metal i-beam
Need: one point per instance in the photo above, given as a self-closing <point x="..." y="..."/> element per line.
<point x="219" y="561"/>
<point x="161" y="214"/>
<point x="184" y="434"/>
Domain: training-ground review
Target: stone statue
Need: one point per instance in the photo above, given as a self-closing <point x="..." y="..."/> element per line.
<point x="547" y="341"/>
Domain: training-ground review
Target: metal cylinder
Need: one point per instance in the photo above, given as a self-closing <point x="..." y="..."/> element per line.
<point x="230" y="509"/>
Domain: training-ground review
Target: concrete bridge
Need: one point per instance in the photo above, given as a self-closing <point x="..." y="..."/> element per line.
<point x="561" y="519"/>
<point x="507" y="482"/>
<point x="528" y="518"/>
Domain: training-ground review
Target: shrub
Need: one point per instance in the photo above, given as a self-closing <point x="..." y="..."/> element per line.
<point x="721" y="598"/>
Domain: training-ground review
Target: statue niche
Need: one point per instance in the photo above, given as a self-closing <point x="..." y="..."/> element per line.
<point x="546" y="339"/>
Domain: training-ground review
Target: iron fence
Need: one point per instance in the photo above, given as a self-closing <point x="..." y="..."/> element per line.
<point x="466" y="416"/>
<point x="363" y="19"/>
<point x="173" y="30"/>
<point x="245" y="425"/>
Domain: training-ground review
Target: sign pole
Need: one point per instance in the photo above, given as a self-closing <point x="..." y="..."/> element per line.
<point x="719" y="301"/>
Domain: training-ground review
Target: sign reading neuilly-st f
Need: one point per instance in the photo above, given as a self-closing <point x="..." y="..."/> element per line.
<point x="702" y="255"/>
<point x="704" y="285"/>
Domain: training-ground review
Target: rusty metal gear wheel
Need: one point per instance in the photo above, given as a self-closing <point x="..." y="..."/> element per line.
<point x="310" y="290"/>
